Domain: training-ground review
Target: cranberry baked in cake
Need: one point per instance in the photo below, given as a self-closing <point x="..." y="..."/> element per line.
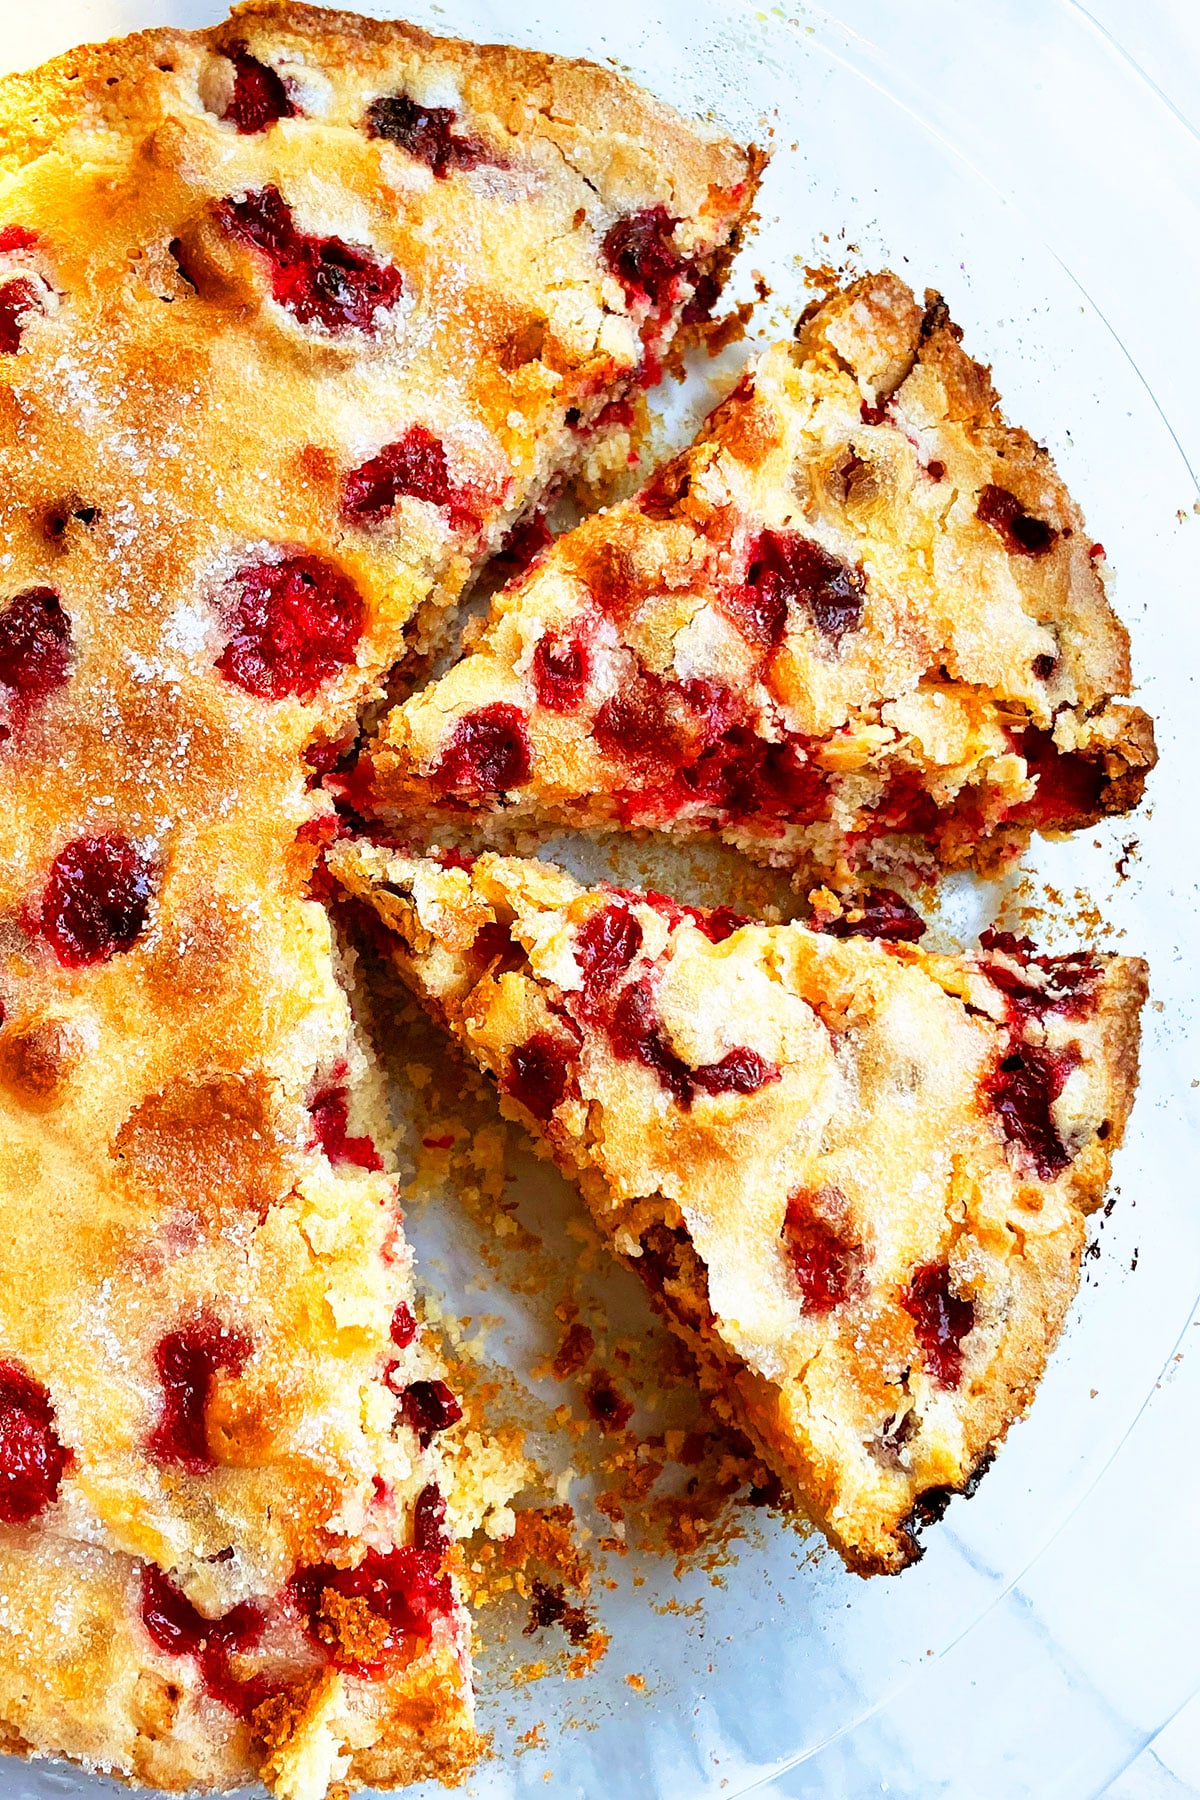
<point x="859" y="621"/>
<point x="853" y="1175"/>
<point x="297" y="316"/>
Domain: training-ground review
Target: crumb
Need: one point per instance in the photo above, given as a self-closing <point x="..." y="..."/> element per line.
<point x="606" y="1403"/>
<point x="586" y="1661"/>
<point x="550" y="1606"/>
<point x="574" y="1352"/>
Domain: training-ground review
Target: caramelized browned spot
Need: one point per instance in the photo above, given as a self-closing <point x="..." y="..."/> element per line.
<point x="276" y="1719"/>
<point x="36" y="1059"/>
<point x="212" y="1146"/>
<point x="348" y="1625"/>
<point x="751" y="432"/>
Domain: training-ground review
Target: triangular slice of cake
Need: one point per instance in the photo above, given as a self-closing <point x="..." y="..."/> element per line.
<point x="297" y="315"/>
<point x="853" y="1175"/>
<point x="860" y="619"/>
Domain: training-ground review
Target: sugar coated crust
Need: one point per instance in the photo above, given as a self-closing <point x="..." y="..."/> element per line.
<point x="860" y="620"/>
<point x="297" y="316"/>
<point x="854" y="1175"/>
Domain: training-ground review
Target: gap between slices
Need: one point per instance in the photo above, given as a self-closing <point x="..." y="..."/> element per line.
<point x="283" y="363"/>
<point x="853" y="1175"/>
<point x="858" y="624"/>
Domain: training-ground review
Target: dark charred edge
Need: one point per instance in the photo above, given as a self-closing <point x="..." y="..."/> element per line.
<point x="1123" y="793"/>
<point x="936" y="318"/>
<point x="930" y="1507"/>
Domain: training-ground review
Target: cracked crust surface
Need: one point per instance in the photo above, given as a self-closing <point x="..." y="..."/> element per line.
<point x="186" y="386"/>
<point x="860" y="619"/>
<point x="854" y="1175"/>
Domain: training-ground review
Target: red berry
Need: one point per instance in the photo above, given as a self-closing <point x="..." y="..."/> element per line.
<point x="605" y="945"/>
<point x="523" y="544"/>
<point x="941" y="1320"/>
<point x="879" y="913"/>
<point x="825" y="1258"/>
<point x="789" y="573"/>
<point x="259" y="96"/>
<point x="539" y="1070"/>
<point x="1070" y="787"/>
<point x="414" y="465"/>
<point x="906" y="806"/>
<point x="32" y="1459"/>
<point x="330" y="1117"/>
<point x="1021" y="1090"/>
<point x="176" y="1627"/>
<point x="16" y="237"/>
<point x="293" y="625"/>
<point x="488" y="752"/>
<point x="188" y="1362"/>
<point x="561" y="668"/>
<point x="759" y="610"/>
<point x="426" y="132"/>
<point x="429" y="1521"/>
<point x="740" y="1071"/>
<point x="742" y="776"/>
<point x="719" y="922"/>
<point x="635" y="1035"/>
<point x="96" y="900"/>
<point x="321" y="281"/>
<point x="402" y="1588"/>
<point x="1023" y="534"/>
<point x="404" y="1324"/>
<point x="20" y="301"/>
<point x="640" y="252"/>
<point x="35" y="651"/>
<point x="1061" y="984"/>
<point x="429" y="1407"/>
<point x="661" y="726"/>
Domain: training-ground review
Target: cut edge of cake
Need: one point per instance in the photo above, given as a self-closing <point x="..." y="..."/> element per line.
<point x="104" y="1658"/>
<point x="827" y="631"/>
<point x="1014" y="1231"/>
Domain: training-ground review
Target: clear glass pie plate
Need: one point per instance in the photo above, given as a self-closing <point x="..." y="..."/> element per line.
<point x="1015" y="157"/>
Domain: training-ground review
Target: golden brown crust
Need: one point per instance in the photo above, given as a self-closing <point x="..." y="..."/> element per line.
<point x="189" y="379"/>
<point x="860" y="620"/>
<point x="854" y="1175"/>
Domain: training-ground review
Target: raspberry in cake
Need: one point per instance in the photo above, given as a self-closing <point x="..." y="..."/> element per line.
<point x="298" y="317"/>
<point x="853" y="1175"/>
<point x="859" y="622"/>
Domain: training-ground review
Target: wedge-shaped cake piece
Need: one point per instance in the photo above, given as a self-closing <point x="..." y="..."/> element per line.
<point x="860" y="618"/>
<point x="853" y="1175"/>
<point x="295" y="316"/>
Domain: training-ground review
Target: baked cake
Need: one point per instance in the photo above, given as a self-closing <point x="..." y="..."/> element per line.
<point x="860" y="621"/>
<point x="298" y="316"/>
<point x="853" y="1175"/>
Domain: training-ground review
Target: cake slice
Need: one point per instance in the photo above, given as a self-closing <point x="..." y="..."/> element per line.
<point x="297" y="315"/>
<point x="860" y="621"/>
<point x="853" y="1175"/>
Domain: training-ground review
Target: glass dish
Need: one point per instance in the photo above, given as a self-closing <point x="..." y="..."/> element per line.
<point x="1013" y="157"/>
